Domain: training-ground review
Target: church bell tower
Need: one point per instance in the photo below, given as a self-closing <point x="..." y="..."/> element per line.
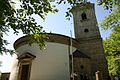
<point x="85" y="23"/>
<point x="89" y="38"/>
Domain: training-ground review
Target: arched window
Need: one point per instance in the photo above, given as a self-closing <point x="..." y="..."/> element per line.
<point x="84" y="16"/>
<point x="86" y="30"/>
<point x="25" y="62"/>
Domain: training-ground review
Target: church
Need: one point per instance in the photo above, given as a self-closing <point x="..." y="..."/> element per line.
<point x="64" y="58"/>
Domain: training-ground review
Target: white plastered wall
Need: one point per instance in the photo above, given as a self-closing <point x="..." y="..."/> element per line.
<point x="14" y="68"/>
<point x="51" y="63"/>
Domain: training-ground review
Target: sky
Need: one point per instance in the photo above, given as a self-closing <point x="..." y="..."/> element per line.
<point x="55" y="23"/>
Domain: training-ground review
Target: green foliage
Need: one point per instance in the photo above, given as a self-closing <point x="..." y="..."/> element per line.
<point x="111" y="44"/>
<point x="113" y="19"/>
<point x="113" y="63"/>
<point x="109" y="4"/>
<point x="22" y="20"/>
<point x="112" y="50"/>
<point x="6" y="11"/>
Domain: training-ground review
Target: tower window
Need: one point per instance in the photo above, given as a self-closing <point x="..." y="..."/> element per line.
<point x="86" y="30"/>
<point x="84" y="16"/>
<point x="82" y="67"/>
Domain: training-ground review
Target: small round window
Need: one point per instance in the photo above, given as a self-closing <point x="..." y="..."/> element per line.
<point x="86" y="30"/>
<point x="81" y="66"/>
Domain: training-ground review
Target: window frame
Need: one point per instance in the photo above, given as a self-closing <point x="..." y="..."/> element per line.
<point x="25" y="59"/>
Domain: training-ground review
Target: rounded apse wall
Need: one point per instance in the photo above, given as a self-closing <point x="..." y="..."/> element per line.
<point x="52" y="63"/>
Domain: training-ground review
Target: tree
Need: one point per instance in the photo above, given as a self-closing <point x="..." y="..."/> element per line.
<point x="111" y="44"/>
<point x="112" y="50"/>
<point x="113" y="19"/>
<point x="22" y="20"/>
